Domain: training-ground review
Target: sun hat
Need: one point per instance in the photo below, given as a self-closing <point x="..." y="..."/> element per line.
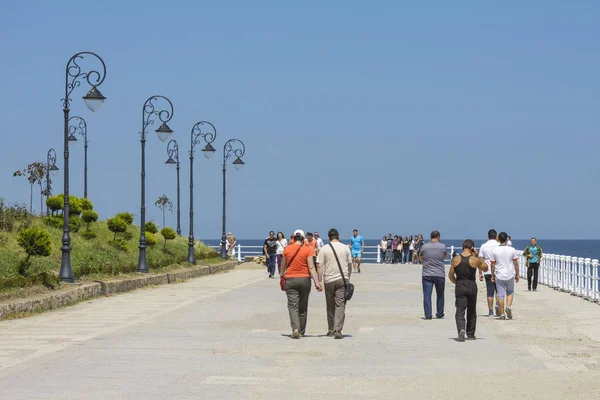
<point x="299" y="232"/>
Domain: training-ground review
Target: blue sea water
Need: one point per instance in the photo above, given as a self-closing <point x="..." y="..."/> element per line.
<point x="573" y="248"/>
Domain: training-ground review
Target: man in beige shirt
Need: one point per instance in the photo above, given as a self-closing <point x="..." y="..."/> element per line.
<point x="329" y="274"/>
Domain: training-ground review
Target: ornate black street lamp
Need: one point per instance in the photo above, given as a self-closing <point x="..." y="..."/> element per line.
<point x="79" y="126"/>
<point x="164" y="133"/>
<point x="93" y="100"/>
<point x="208" y="151"/>
<point x="233" y="147"/>
<point x="173" y="151"/>
<point x="51" y="168"/>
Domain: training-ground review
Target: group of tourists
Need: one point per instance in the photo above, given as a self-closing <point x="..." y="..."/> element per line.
<point x="400" y="250"/>
<point x="329" y="270"/>
<point x="497" y="263"/>
<point x="274" y="247"/>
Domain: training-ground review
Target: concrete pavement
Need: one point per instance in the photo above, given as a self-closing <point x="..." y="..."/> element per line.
<point x="227" y="336"/>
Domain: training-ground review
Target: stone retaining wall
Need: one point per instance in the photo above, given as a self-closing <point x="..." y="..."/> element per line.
<point x="84" y="291"/>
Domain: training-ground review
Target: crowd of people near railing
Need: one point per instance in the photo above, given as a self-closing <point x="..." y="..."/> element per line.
<point x="400" y="250"/>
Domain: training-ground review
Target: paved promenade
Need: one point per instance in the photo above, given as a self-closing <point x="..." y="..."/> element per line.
<point x="226" y="336"/>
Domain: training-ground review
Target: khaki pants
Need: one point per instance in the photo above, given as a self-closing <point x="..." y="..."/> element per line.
<point x="298" y="290"/>
<point x="336" y="305"/>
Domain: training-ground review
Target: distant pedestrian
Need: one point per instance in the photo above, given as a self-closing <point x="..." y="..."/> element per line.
<point x="270" y="250"/>
<point x="411" y="250"/>
<point x="418" y="244"/>
<point x="485" y="252"/>
<point x="281" y="245"/>
<point x="509" y="243"/>
<point x="388" y="249"/>
<point x="405" y="250"/>
<point x="313" y="245"/>
<point x="230" y="244"/>
<point x="462" y="273"/>
<point x="534" y="255"/>
<point x="383" y="248"/>
<point x="331" y="276"/>
<point x="319" y="240"/>
<point x="395" y="252"/>
<point x="505" y="272"/>
<point x="298" y="268"/>
<point x="432" y="257"/>
<point x="357" y="246"/>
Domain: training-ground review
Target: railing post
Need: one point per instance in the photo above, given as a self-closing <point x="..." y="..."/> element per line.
<point x="451" y="252"/>
<point x="239" y="253"/>
<point x="580" y="266"/>
<point x="554" y="272"/>
<point x="595" y="284"/>
<point x="378" y="254"/>
<point x="563" y="273"/>
<point x="587" y="276"/>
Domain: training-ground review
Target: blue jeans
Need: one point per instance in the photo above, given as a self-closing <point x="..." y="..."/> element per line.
<point x="271" y="263"/>
<point x="405" y="256"/>
<point x="428" y="283"/>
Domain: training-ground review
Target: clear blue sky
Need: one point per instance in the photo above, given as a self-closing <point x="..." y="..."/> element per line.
<point x="387" y="116"/>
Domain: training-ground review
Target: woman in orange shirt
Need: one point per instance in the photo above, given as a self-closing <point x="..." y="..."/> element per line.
<point x="297" y="267"/>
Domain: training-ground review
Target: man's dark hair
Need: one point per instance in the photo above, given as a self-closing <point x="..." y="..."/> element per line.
<point x="435" y="235"/>
<point x="492" y="234"/>
<point x="503" y="237"/>
<point x="333" y="234"/>
<point x="271" y="232"/>
<point x="309" y="234"/>
<point x="356" y="230"/>
<point x="468" y="244"/>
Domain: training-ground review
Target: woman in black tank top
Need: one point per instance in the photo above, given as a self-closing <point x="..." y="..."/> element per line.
<point x="462" y="273"/>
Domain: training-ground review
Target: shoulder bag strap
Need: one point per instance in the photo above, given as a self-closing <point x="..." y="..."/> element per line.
<point x="292" y="259"/>
<point x="338" y="263"/>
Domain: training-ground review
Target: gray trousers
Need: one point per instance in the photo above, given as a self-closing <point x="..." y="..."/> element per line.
<point x="298" y="290"/>
<point x="336" y="305"/>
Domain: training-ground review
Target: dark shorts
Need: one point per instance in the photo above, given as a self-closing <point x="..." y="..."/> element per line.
<point x="490" y="286"/>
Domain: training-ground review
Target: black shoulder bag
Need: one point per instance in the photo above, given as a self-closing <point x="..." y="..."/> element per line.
<point x="347" y="285"/>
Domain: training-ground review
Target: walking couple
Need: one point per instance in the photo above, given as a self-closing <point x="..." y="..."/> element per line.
<point x="333" y="272"/>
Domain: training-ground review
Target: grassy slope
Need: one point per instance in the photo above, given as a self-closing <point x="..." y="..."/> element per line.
<point x="97" y="256"/>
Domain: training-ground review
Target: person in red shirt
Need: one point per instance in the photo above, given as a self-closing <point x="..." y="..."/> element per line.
<point x="314" y="246"/>
<point x="297" y="267"/>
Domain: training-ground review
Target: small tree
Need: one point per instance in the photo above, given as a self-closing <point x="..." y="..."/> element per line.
<point x="116" y="225"/>
<point x="35" y="173"/>
<point x="168" y="234"/>
<point x="86" y="204"/>
<point x="125" y="216"/>
<point x="89" y="217"/>
<point x="151" y="239"/>
<point x="164" y="203"/>
<point x="35" y="242"/>
<point x="54" y="203"/>
<point x="151" y="227"/>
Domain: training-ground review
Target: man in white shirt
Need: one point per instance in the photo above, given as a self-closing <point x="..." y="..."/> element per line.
<point x="505" y="272"/>
<point x="485" y="252"/>
<point x="335" y="288"/>
<point x="319" y="240"/>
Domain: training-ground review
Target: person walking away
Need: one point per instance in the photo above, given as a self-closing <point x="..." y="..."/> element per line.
<point x="462" y="273"/>
<point x="432" y="257"/>
<point x="534" y="254"/>
<point x="485" y="252"/>
<point x="270" y="250"/>
<point x="388" y="251"/>
<point x="395" y="249"/>
<point x="281" y="244"/>
<point x="357" y="247"/>
<point x="331" y="276"/>
<point x="313" y="245"/>
<point x="297" y="267"/>
<point x="505" y="272"/>
<point x="405" y="250"/>
<point x="383" y="246"/>
<point x="231" y="242"/>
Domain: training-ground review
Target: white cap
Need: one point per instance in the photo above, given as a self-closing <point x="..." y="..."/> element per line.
<point x="299" y="232"/>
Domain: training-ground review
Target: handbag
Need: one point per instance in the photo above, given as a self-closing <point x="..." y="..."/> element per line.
<point x="282" y="278"/>
<point x="349" y="287"/>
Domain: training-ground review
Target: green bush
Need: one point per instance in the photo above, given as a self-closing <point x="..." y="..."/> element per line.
<point x="151" y="239"/>
<point x="116" y="225"/>
<point x="36" y="242"/>
<point x="89" y="235"/>
<point x="86" y="204"/>
<point x="151" y="227"/>
<point x="89" y="217"/>
<point x="55" y="203"/>
<point x="42" y="278"/>
<point x="125" y="216"/>
<point x="127" y="235"/>
<point x="14" y="217"/>
<point x="55" y="221"/>
<point x="75" y="223"/>
<point x="119" y="244"/>
<point x="74" y="204"/>
<point x="168" y="234"/>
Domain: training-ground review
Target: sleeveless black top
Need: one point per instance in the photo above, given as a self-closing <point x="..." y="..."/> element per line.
<point x="463" y="271"/>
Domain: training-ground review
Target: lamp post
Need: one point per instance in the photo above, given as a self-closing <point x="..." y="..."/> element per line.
<point x="164" y="133"/>
<point x="233" y="147"/>
<point x="208" y="151"/>
<point x="173" y="150"/>
<point x="51" y="168"/>
<point x="79" y="126"/>
<point x="93" y="100"/>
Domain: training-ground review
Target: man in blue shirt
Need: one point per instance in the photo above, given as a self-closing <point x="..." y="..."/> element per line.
<point x="534" y="255"/>
<point x="357" y="246"/>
